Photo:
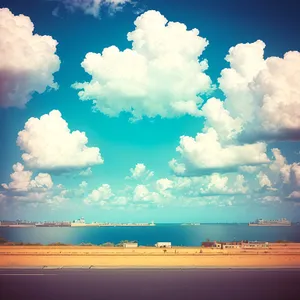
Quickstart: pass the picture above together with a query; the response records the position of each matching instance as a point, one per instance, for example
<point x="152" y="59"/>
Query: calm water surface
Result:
<point x="147" y="236"/>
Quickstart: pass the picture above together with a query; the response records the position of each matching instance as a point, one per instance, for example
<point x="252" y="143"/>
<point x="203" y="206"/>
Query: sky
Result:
<point x="140" y="111"/>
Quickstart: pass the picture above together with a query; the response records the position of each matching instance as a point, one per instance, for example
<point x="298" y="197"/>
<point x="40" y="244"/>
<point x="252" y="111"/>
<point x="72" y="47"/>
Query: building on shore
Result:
<point x="255" y="245"/>
<point x="213" y="244"/>
<point x="231" y="245"/>
<point x="163" y="245"/>
<point x="235" y="245"/>
<point x="53" y="224"/>
<point x="223" y="245"/>
<point x="130" y="245"/>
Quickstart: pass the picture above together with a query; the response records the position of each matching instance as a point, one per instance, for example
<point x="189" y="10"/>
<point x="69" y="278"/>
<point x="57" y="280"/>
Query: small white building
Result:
<point x="231" y="246"/>
<point x="163" y="245"/>
<point x="130" y="245"/>
<point x="251" y="245"/>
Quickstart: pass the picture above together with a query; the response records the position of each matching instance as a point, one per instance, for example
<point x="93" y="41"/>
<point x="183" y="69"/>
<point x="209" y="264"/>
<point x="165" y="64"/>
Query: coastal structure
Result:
<point x="231" y="245"/>
<point x="130" y="245"/>
<point x="22" y="224"/>
<point x="190" y="224"/>
<point x="53" y="224"/>
<point x="163" y="245"/>
<point x="81" y="222"/>
<point x="76" y="223"/>
<point x="223" y="245"/>
<point x="209" y="244"/>
<point x="255" y="245"/>
<point x="279" y="222"/>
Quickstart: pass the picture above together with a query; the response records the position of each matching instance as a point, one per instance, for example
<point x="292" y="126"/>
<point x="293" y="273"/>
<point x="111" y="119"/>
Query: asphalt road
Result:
<point x="144" y="284"/>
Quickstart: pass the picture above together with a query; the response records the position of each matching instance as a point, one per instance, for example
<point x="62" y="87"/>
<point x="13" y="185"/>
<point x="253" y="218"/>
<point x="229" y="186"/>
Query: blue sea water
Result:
<point x="147" y="236"/>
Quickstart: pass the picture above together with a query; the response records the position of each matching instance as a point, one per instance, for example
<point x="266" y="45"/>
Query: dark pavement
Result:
<point x="144" y="284"/>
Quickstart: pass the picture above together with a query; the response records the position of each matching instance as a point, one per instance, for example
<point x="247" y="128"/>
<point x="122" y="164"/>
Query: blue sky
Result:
<point x="159" y="127"/>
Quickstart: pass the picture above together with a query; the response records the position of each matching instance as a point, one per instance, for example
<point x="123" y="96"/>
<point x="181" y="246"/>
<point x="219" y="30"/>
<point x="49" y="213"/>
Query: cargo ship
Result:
<point x="279" y="222"/>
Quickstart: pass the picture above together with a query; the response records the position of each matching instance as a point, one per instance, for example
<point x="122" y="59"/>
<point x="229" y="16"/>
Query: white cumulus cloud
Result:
<point x="214" y="184"/>
<point x="161" y="74"/>
<point x="83" y="184"/>
<point x="142" y="193"/>
<point x="21" y="180"/>
<point x="140" y="172"/>
<point x="205" y="153"/>
<point x="263" y="180"/>
<point x="100" y="195"/>
<point x="49" y="144"/>
<point x="28" y="60"/>
<point x="264" y="93"/>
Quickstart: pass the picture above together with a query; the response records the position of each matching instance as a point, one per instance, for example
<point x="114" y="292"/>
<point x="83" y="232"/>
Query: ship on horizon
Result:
<point x="279" y="222"/>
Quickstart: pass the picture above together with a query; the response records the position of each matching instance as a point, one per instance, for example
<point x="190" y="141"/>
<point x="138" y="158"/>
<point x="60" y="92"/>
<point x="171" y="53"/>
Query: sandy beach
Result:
<point x="277" y="255"/>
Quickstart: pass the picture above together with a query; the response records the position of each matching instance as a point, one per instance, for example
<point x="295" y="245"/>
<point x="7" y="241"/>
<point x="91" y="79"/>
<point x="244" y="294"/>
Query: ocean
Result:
<point x="149" y="235"/>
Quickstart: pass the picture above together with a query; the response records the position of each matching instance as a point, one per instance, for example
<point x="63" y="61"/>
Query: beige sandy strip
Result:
<point x="72" y="256"/>
<point x="153" y="261"/>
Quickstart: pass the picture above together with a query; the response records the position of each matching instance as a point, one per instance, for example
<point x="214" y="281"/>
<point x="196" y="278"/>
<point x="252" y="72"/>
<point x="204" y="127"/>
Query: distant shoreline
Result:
<point x="142" y="225"/>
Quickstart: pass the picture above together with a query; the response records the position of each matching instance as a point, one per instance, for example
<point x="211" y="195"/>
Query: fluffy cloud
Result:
<point x="160" y="76"/>
<point x="83" y="184"/>
<point x="294" y="196"/>
<point x="214" y="184"/>
<point x="264" y="180"/>
<point x="140" y="172"/>
<point x="205" y="153"/>
<point x="49" y="144"/>
<point x="28" y="60"/>
<point x="100" y="195"/>
<point x="21" y="180"/>
<point x="24" y="190"/>
<point x="278" y="180"/>
<point x="264" y="93"/>
<point x="220" y="119"/>
<point x="164" y="187"/>
<point x="262" y="103"/>
<point x="86" y="172"/>
<point x="270" y="199"/>
<point x="164" y="184"/>
<point x="289" y="173"/>
<point x="92" y="7"/>
<point x="141" y="193"/>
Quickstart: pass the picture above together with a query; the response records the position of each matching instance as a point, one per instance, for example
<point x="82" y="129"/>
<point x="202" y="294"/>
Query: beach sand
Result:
<point x="277" y="255"/>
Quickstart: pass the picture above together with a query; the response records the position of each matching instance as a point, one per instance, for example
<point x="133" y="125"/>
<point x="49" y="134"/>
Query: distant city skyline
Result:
<point x="139" y="111"/>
